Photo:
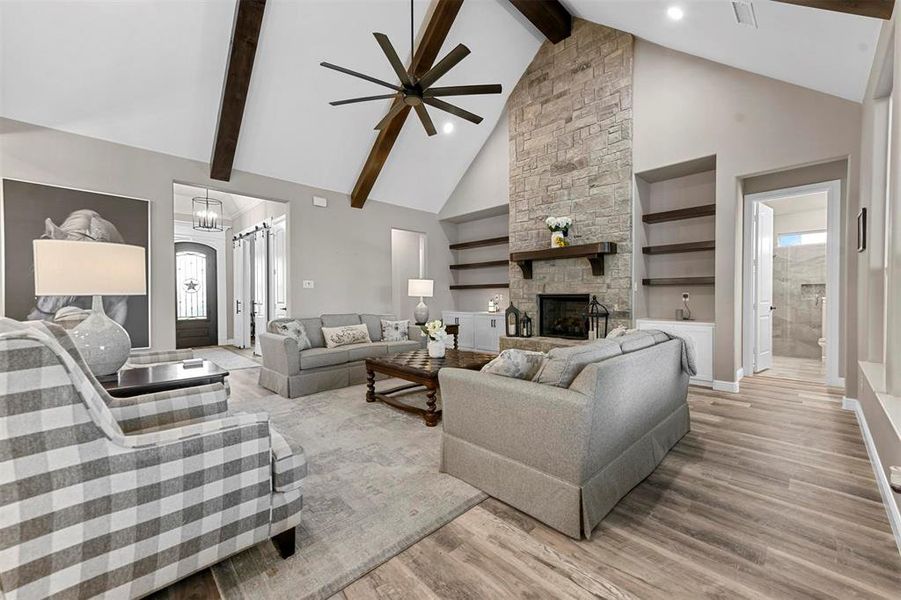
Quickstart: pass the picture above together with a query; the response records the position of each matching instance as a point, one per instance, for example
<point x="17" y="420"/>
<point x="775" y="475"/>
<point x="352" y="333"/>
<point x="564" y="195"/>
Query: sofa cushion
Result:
<point x="395" y="347"/>
<point x="515" y="363"/>
<point x="395" y="331"/>
<point x="340" y="320"/>
<point x="563" y="365"/>
<point x="366" y="350"/>
<point x="345" y="336"/>
<point x="374" y="324"/>
<point x="292" y="328"/>
<point x="313" y="327"/>
<point x="323" y="357"/>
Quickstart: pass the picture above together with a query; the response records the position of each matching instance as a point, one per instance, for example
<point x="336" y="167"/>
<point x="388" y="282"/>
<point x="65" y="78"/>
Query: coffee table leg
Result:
<point x="370" y="385"/>
<point x="431" y="416"/>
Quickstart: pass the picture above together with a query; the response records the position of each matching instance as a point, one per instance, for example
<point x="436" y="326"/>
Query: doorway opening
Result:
<point x="791" y="302"/>
<point x="243" y="281"/>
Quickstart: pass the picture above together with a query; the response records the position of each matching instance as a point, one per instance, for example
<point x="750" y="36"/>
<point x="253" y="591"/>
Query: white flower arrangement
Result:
<point x="434" y="330"/>
<point x="559" y="224"/>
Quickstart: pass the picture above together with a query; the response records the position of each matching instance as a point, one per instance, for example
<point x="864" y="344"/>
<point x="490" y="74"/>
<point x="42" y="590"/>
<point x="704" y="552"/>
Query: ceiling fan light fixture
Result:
<point x="447" y="128"/>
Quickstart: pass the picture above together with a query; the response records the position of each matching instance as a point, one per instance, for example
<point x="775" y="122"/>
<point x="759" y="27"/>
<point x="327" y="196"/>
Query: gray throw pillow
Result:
<point x="563" y="365"/>
<point x="395" y="331"/>
<point x="344" y="336"/>
<point x="294" y="329"/>
<point x="518" y="364"/>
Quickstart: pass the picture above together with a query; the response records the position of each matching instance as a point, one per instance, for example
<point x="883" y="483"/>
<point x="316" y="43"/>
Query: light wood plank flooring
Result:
<point x="771" y="495"/>
<point x="801" y="369"/>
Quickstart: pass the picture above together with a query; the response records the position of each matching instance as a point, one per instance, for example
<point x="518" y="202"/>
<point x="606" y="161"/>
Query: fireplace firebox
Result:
<point x="563" y="316"/>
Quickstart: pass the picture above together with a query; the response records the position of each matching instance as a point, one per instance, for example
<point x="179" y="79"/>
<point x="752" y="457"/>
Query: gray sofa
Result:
<point x="291" y="372"/>
<point x="566" y="456"/>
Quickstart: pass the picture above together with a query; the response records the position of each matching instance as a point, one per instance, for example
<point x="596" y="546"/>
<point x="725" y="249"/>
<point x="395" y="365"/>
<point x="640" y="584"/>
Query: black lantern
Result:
<point x="525" y="325"/>
<point x="596" y="312"/>
<point x="512" y="319"/>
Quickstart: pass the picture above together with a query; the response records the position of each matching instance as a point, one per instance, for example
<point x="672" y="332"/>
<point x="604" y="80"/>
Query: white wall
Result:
<point x="346" y="251"/>
<point x="687" y="107"/>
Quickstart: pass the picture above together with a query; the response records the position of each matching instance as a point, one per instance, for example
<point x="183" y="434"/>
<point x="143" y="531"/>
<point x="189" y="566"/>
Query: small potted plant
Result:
<point x="559" y="227"/>
<point x="436" y="332"/>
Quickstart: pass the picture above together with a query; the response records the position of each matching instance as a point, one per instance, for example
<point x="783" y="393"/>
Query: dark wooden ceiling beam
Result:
<point x="878" y="9"/>
<point x="245" y="37"/>
<point x="549" y="16"/>
<point x="433" y="37"/>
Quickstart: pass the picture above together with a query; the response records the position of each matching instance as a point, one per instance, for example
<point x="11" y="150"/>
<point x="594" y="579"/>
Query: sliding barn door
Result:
<point x="241" y="308"/>
<point x="260" y="285"/>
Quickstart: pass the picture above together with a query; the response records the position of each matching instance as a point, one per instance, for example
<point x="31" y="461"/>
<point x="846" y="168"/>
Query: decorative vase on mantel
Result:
<point x="436" y="349"/>
<point x="559" y="228"/>
<point x="559" y="239"/>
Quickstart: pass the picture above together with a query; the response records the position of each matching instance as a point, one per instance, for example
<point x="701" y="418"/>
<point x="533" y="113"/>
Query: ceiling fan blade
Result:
<point x="444" y="65"/>
<point x="396" y="88"/>
<point x="396" y="64"/>
<point x="395" y="109"/>
<point x="454" y="110"/>
<point x="463" y="90"/>
<point x="426" y="119"/>
<point x="363" y="99"/>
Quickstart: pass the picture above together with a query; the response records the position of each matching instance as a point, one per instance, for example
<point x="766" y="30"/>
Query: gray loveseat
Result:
<point x="566" y="456"/>
<point x="291" y="372"/>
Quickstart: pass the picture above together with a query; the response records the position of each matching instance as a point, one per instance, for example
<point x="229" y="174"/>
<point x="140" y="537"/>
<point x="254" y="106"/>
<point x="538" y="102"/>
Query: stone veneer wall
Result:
<point x="571" y="155"/>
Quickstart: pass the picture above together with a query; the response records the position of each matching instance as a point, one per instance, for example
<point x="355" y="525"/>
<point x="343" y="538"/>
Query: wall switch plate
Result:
<point x="320" y="202"/>
<point x="685" y="296"/>
<point x="308" y="284"/>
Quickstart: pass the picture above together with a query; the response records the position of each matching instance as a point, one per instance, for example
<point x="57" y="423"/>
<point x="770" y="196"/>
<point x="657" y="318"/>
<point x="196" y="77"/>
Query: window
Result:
<point x="190" y="273"/>
<point x="801" y="238"/>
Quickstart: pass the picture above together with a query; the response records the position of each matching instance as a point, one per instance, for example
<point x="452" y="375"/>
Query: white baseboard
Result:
<point x="725" y="386"/>
<point x="739" y="375"/>
<point x="885" y="490"/>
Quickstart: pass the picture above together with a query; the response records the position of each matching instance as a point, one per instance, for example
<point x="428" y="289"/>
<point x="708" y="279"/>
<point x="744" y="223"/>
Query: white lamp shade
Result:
<point x="73" y="268"/>
<point x="420" y="288"/>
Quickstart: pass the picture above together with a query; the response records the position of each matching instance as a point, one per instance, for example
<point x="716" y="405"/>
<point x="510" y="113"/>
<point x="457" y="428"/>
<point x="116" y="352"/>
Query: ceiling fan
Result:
<point x="419" y="92"/>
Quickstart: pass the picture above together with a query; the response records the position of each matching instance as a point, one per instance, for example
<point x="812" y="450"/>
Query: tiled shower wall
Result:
<point x="799" y="284"/>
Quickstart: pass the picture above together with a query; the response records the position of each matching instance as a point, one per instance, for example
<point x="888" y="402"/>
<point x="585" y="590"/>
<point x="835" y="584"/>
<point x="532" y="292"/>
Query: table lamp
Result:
<point x="421" y="288"/>
<point x="79" y="268"/>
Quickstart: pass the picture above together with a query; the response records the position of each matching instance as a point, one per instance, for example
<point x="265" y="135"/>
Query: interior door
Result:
<point x="196" y="318"/>
<point x="763" y="302"/>
<point x="278" y="255"/>
<point x="241" y="308"/>
<point x="260" y="301"/>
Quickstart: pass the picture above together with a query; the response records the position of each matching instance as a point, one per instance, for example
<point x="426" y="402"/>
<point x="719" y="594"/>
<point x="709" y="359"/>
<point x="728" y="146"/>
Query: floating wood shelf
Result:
<point x="679" y="281"/>
<point x="480" y="265"/>
<point x="480" y="286"/>
<point x="593" y="252"/>
<point x="679" y="248"/>
<point x="496" y="241"/>
<point x="704" y="210"/>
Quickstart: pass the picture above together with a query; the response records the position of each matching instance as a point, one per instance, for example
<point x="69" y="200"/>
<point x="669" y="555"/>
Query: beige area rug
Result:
<point x="373" y="489"/>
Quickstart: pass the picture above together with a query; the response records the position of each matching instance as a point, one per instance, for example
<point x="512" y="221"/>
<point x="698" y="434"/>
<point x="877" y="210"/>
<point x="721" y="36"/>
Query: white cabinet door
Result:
<point x="467" y="329"/>
<point x="488" y="329"/>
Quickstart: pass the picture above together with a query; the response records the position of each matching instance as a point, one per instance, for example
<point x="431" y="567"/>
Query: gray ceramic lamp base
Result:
<point x="103" y="343"/>
<point x="421" y="313"/>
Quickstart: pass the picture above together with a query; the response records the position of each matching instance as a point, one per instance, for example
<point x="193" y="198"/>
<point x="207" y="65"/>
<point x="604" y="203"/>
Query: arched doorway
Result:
<point x="196" y="316"/>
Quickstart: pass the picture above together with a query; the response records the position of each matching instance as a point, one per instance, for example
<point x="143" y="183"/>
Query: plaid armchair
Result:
<point x="121" y="497"/>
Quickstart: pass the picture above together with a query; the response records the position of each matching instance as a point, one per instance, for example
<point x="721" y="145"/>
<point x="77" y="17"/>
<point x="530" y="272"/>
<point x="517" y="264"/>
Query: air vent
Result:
<point x="744" y="13"/>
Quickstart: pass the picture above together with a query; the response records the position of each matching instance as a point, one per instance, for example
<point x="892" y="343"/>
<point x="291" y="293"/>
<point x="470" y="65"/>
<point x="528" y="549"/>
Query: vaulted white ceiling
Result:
<point x="822" y="50"/>
<point x="149" y="73"/>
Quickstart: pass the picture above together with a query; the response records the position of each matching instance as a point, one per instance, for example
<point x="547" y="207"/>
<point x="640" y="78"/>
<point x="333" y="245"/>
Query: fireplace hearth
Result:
<point x="563" y="316"/>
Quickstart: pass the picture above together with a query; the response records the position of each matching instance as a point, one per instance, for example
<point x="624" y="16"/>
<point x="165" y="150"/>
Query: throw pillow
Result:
<point x="518" y="364"/>
<point x="294" y="329"/>
<point x="395" y="331"/>
<point x="342" y="336"/>
<point x="563" y="365"/>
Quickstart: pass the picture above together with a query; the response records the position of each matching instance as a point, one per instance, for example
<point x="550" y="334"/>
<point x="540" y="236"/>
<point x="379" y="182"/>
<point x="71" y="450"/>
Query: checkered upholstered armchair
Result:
<point x="120" y="497"/>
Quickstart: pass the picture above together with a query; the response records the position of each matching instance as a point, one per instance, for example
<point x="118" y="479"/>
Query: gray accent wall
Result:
<point x="346" y="251"/>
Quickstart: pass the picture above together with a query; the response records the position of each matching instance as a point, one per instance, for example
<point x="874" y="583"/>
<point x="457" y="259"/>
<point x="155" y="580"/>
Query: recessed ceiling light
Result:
<point x="675" y="13"/>
<point x="448" y="127"/>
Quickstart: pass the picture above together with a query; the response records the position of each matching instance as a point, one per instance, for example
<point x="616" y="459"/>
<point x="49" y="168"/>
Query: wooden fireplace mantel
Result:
<point x="593" y="252"/>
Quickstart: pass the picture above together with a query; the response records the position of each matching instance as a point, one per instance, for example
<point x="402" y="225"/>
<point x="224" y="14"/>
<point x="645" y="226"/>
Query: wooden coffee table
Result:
<point x="422" y="371"/>
<point x="159" y="378"/>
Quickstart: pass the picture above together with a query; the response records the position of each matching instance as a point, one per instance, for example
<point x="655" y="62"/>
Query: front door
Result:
<point x="763" y="303"/>
<point x="196" y="322"/>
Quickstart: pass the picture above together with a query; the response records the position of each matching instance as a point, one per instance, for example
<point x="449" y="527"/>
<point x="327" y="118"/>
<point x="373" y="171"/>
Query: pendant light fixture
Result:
<point x="207" y="213"/>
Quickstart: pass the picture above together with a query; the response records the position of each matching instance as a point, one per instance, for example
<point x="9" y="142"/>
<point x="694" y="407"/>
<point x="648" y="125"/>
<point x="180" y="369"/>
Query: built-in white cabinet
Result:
<point x="478" y="330"/>
<point x="701" y="333"/>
